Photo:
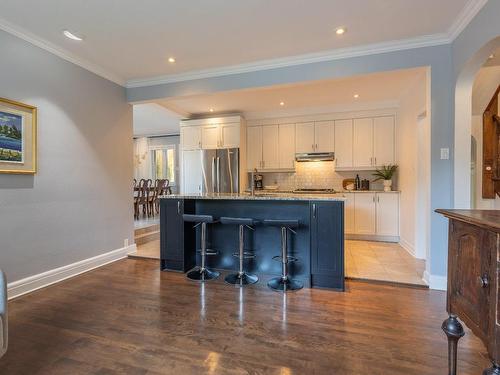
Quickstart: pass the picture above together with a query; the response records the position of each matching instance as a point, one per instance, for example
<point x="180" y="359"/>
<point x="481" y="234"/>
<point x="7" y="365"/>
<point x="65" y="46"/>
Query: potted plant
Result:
<point x="385" y="173"/>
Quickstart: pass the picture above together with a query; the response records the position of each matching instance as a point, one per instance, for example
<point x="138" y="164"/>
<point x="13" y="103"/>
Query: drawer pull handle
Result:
<point x="483" y="281"/>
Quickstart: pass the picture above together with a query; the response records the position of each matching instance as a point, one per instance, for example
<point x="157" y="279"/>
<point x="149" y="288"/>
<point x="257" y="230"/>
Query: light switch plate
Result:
<point x="445" y="153"/>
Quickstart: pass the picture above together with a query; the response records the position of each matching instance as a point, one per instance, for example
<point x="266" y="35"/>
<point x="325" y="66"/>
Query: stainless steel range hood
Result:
<point x="315" y="156"/>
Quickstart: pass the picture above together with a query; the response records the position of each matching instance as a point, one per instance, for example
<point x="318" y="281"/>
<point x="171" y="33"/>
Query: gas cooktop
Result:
<point x="314" y="191"/>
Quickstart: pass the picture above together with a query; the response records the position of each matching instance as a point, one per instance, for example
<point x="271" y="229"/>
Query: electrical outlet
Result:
<point x="445" y="153"/>
<point x="125" y="242"/>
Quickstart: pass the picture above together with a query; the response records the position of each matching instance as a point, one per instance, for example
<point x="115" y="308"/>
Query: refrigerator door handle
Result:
<point x="218" y="174"/>
<point x="213" y="175"/>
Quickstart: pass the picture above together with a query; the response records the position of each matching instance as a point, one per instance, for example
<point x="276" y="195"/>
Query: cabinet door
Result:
<point x="270" y="145"/>
<point x="191" y="137"/>
<point x="304" y="137"/>
<point x="343" y="143"/>
<point x="191" y="172"/>
<point x="327" y="245"/>
<point x="230" y="135"/>
<point x="387" y="214"/>
<point x="171" y="238"/>
<point x="383" y="140"/>
<point x="324" y="133"/>
<point x="363" y="142"/>
<point x="287" y="146"/>
<point x="254" y="147"/>
<point x="210" y="137"/>
<point x="349" y="212"/>
<point x="364" y="213"/>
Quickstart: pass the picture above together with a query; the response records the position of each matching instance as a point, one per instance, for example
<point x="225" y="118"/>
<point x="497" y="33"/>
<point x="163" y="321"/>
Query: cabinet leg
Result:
<point x="493" y="370"/>
<point x="454" y="331"/>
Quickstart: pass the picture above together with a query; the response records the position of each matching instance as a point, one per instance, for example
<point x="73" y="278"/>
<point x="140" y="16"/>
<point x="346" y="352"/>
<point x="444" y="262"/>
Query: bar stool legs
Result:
<point x="242" y="278"/>
<point x="202" y="273"/>
<point x="284" y="283"/>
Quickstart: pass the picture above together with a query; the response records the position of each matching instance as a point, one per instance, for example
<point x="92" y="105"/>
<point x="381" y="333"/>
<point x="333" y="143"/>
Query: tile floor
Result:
<point x="382" y="261"/>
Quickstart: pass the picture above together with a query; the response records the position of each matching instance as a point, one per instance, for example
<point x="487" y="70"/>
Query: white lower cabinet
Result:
<point x="372" y="214"/>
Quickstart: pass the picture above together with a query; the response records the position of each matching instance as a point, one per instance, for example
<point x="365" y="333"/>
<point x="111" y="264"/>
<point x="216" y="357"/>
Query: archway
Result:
<point x="463" y="123"/>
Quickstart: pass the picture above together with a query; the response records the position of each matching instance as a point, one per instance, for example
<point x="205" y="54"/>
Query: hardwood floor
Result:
<point x="130" y="318"/>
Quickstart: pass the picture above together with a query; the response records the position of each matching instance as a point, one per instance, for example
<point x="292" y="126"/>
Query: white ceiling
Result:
<point x="130" y="39"/>
<point x="153" y="119"/>
<point x="374" y="90"/>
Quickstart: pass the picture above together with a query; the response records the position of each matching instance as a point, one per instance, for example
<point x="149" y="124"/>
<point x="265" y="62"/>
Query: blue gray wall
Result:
<point x="79" y="204"/>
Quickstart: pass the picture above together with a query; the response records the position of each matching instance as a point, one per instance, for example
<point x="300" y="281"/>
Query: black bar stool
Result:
<point x="202" y="273"/>
<point x="284" y="283"/>
<point x="241" y="278"/>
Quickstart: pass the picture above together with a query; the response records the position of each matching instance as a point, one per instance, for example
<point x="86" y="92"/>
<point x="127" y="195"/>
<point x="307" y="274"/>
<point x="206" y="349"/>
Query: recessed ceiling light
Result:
<point x="491" y="56"/>
<point x="171" y="60"/>
<point x="211" y="109"/>
<point x="356" y="96"/>
<point x="340" y="30"/>
<point x="70" y="35"/>
<point x="282" y="104"/>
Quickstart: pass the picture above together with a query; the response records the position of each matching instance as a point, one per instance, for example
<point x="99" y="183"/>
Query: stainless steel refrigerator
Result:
<point x="220" y="169"/>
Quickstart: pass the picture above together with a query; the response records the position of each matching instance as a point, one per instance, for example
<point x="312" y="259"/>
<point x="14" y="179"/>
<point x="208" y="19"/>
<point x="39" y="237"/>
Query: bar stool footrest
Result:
<point x="246" y="255"/>
<point x="209" y="252"/>
<point x="290" y="258"/>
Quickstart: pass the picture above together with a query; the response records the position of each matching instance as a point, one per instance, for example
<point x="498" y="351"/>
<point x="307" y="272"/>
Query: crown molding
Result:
<point x="60" y="52"/>
<point x="470" y="10"/>
<point x="331" y="55"/>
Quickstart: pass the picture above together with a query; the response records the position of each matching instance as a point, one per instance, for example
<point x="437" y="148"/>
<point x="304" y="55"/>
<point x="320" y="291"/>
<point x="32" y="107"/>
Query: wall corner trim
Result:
<point x="29" y="284"/>
<point x="436" y="282"/>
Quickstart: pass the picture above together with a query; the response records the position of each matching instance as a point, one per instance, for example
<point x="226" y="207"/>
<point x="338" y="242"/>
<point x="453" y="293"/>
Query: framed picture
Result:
<point x="17" y="137"/>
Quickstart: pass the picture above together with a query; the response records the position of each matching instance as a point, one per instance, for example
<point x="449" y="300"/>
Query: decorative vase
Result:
<point x="387" y="185"/>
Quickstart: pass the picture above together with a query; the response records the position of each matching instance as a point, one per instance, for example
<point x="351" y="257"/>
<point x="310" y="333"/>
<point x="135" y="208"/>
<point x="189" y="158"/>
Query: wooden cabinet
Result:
<point x="327" y="245"/>
<point x="254" y="147"/>
<point x="286" y="146"/>
<point x="349" y="210"/>
<point x="383" y="140"/>
<point x="363" y="142"/>
<point x="473" y="269"/>
<point x="365" y="214"/>
<point x="192" y="173"/>
<point x="343" y="144"/>
<point x="315" y="137"/>
<point x="387" y="209"/>
<point x="270" y="145"/>
<point x="175" y="235"/>
<point x="190" y="137"/>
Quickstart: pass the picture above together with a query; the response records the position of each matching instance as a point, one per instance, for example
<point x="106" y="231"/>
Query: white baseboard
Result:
<point x="435" y="282"/>
<point x="31" y="283"/>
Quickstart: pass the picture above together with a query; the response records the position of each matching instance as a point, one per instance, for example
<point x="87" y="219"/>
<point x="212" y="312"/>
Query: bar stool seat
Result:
<point x="284" y="283"/>
<point x="241" y="278"/>
<point x="202" y="273"/>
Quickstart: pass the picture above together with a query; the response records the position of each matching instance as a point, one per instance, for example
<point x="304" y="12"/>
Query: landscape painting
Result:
<point x="11" y="137"/>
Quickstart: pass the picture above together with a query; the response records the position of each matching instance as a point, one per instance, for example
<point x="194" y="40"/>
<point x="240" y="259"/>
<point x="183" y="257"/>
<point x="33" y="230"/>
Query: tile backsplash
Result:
<point x="320" y="175"/>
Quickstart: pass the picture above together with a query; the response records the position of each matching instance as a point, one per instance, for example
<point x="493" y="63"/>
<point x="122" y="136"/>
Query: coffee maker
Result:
<point x="258" y="181"/>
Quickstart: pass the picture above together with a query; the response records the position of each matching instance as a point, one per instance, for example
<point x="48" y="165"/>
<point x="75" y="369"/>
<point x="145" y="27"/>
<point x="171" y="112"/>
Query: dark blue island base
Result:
<point x="318" y="243"/>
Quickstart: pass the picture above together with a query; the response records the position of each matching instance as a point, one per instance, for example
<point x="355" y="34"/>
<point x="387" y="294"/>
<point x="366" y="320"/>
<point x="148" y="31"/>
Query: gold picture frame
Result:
<point x="18" y="137"/>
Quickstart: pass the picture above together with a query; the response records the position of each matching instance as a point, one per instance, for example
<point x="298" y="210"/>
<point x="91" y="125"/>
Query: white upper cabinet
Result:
<point x="383" y="140"/>
<point x="270" y="147"/>
<point x="229" y="135"/>
<point x="286" y="146"/>
<point x="191" y="137"/>
<point x="363" y="142"/>
<point x="343" y="144"/>
<point x="387" y="214"/>
<point x="210" y="137"/>
<point x="254" y="147"/>
<point x="305" y="141"/>
<point x="324" y="134"/>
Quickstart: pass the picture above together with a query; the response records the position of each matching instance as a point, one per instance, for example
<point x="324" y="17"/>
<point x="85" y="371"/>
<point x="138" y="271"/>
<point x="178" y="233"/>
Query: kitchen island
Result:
<point x="318" y="243"/>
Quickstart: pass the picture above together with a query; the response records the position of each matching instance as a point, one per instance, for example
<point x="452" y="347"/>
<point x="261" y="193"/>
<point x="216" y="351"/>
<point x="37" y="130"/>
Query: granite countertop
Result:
<point x="261" y="196"/>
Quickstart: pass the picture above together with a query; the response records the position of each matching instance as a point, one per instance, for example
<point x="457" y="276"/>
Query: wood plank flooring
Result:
<point x="130" y="318"/>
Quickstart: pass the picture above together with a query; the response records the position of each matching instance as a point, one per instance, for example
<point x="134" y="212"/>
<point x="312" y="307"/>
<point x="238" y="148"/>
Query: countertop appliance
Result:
<point x="314" y="191"/>
<point x="220" y="169"/>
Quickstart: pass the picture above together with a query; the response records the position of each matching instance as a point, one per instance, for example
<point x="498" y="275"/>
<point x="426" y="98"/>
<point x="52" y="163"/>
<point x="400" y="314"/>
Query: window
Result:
<point x="163" y="163"/>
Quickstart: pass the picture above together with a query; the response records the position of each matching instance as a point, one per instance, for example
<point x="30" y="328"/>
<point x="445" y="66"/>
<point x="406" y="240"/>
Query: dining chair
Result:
<point x="141" y="199"/>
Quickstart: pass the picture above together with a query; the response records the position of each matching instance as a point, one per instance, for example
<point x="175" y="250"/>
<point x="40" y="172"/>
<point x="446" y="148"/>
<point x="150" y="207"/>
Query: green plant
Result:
<point x="385" y="173"/>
